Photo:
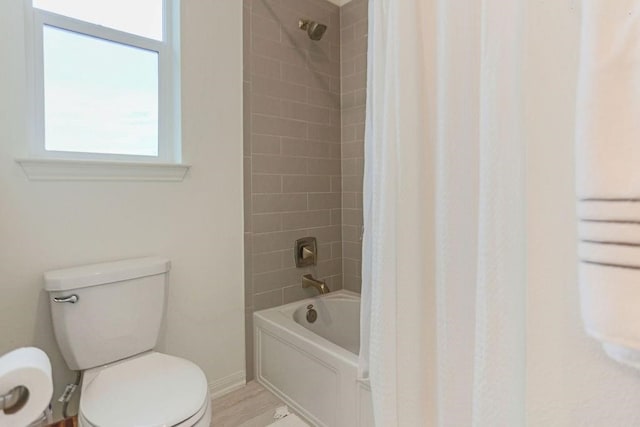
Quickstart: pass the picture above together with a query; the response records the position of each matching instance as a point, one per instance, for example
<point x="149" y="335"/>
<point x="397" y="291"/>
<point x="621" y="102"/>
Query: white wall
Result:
<point x="196" y="223"/>
<point x="570" y="380"/>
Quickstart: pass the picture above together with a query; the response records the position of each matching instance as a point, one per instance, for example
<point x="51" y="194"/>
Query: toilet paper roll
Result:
<point x="28" y="367"/>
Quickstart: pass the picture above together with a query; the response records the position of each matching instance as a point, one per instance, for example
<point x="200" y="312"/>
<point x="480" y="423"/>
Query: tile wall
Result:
<point x="304" y="118"/>
<point x="292" y="151"/>
<point x="353" y="30"/>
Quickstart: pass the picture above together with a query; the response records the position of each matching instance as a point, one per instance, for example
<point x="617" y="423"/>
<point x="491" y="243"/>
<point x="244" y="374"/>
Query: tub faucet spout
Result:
<point x="308" y="280"/>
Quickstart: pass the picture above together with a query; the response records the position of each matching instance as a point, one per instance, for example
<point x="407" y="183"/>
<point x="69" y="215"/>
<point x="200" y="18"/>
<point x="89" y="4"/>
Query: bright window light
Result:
<point x="140" y="17"/>
<point x="99" y="96"/>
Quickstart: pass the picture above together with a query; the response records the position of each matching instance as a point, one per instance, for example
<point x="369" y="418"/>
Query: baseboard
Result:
<point x="227" y="384"/>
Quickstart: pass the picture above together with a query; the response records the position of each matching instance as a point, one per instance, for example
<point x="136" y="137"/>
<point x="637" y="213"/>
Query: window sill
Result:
<point x="98" y="170"/>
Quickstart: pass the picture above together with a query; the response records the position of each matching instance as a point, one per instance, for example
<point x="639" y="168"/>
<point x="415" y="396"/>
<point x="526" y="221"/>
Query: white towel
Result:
<point x="608" y="175"/>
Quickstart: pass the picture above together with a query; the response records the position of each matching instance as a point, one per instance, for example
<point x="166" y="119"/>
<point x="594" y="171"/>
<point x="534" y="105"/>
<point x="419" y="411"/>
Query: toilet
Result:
<point x="107" y="319"/>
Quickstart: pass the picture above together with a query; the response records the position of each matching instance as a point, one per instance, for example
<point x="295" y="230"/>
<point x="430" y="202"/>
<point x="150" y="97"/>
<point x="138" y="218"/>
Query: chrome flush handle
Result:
<point x="71" y="298"/>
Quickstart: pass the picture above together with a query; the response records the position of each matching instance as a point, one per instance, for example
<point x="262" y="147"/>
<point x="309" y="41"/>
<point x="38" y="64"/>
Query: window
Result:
<point x="105" y="80"/>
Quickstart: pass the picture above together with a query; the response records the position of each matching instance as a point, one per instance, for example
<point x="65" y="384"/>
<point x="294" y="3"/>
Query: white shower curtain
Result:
<point x="442" y="319"/>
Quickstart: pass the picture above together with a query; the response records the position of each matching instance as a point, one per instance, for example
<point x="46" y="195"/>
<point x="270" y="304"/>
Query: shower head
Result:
<point x="315" y="30"/>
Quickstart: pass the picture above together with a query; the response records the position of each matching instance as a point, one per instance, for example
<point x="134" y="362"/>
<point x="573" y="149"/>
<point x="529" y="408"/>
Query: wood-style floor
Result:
<point x="250" y="406"/>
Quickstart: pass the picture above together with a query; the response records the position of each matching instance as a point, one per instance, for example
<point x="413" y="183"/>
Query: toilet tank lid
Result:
<point x="108" y="272"/>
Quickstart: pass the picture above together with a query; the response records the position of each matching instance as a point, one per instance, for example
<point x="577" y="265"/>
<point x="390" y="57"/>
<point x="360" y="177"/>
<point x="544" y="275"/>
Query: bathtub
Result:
<point x="313" y="366"/>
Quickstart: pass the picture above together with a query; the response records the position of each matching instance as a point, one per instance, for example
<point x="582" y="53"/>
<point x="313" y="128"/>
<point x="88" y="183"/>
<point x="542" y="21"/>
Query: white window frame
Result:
<point x="169" y="129"/>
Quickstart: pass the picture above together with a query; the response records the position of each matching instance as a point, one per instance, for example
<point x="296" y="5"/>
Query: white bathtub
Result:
<point x="313" y="366"/>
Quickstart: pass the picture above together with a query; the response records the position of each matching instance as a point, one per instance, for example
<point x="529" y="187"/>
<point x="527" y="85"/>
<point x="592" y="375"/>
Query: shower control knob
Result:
<point x="307" y="252"/>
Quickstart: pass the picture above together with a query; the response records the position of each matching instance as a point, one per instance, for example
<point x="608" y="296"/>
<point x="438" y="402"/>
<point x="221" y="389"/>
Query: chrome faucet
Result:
<point x="308" y="280"/>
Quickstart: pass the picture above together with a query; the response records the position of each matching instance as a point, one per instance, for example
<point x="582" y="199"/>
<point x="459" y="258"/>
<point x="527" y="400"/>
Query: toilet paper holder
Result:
<point x="13" y="401"/>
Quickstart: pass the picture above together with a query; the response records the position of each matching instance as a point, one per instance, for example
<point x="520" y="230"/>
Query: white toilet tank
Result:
<point x="106" y="312"/>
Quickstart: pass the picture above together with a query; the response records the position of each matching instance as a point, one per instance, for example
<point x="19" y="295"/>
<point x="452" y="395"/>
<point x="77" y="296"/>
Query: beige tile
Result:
<point x="336" y="85"/>
<point x="265" y="105"/>
<point x="336" y="250"/>
<point x="264" y="282"/>
<point x="352" y="217"/>
<point x="288" y="260"/>
<point x="336" y="151"/>
<point x="347" y="34"/>
<point x="361" y="68"/>
<point x="320" y="81"/>
<point x="269" y="125"/>
<point x="266" y="8"/>
<point x="324" y="201"/>
<point x="360" y="95"/>
<point x="328" y="234"/>
<point x="324" y="62"/>
<point x="318" y="9"/>
<point x="264" y="203"/>
<point x="265" y="27"/>
<point x="265" y="223"/>
<point x="266" y="262"/>
<point x="306" y="148"/>
<point x="351" y="283"/>
<point x="348" y="200"/>
<point x="348" y="132"/>
<point x="277" y="241"/>
<point x="304" y="220"/>
<point x="354" y="82"/>
<point x="336" y="184"/>
<point x="261" y="46"/>
<point x="267" y="299"/>
<point x="324" y="252"/>
<point x="265" y="67"/>
<point x="350" y="166"/>
<point x="306" y="184"/>
<point x="351" y="251"/>
<point x="352" y="267"/>
<point x="306" y="112"/>
<point x="265" y="144"/>
<point x="352" y="183"/>
<point x="336" y="216"/>
<point x="297" y="293"/>
<point x="335" y="118"/>
<point x="351" y="233"/>
<point x="354" y="115"/>
<point x="266" y="184"/>
<point x="335" y="282"/>
<point x="323" y="98"/>
<point x="326" y="133"/>
<point x="278" y="165"/>
<point x="262" y="85"/>
<point x="323" y="166"/>
<point x="353" y="149"/>
<point x="295" y="74"/>
<point x="330" y="267"/>
<point x="359" y="200"/>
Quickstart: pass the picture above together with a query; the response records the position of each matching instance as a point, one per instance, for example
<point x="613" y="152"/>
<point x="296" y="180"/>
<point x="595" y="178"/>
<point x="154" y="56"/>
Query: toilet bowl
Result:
<point x="106" y="319"/>
<point x="152" y="389"/>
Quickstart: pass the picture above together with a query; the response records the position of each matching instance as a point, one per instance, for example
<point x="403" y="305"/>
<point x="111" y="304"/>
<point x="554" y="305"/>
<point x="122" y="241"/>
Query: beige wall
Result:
<point x="353" y="42"/>
<point x="196" y="223"/>
<point x="570" y="382"/>
<point x="291" y="151"/>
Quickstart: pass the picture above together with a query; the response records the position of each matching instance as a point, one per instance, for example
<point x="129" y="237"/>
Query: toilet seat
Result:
<point x="150" y="390"/>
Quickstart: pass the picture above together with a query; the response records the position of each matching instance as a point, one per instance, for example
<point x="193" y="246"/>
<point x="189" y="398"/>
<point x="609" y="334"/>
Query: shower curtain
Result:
<point x="443" y="296"/>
